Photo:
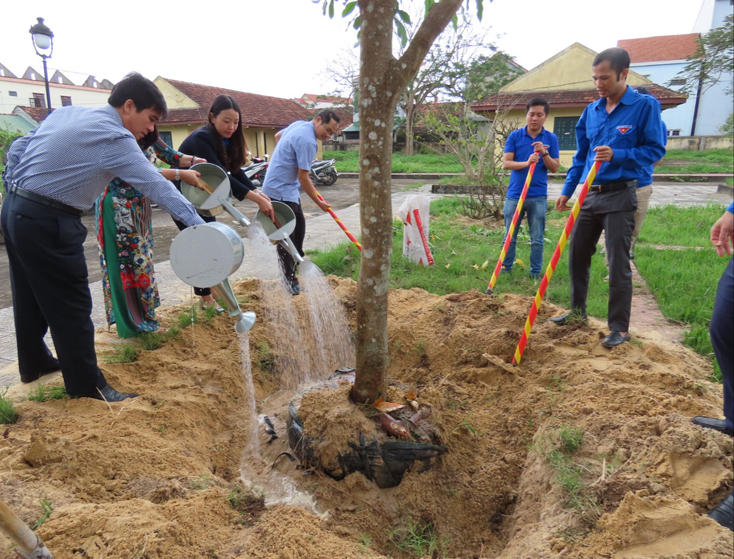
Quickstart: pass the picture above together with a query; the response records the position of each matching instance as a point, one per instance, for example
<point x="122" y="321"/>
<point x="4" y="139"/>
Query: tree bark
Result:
<point x="382" y="80"/>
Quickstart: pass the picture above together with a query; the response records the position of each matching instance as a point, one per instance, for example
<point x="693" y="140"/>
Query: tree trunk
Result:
<point x="409" y="126"/>
<point x="377" y="107"/>
<point x="382" y="80"/>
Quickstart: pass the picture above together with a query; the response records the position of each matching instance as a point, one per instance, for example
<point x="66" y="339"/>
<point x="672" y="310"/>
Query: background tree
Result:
<point x="382" y="79"/>
<point x="713" y="60"/>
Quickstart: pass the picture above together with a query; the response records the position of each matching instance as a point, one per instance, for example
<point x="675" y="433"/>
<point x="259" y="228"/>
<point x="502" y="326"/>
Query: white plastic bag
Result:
<point x="414" y="213"/>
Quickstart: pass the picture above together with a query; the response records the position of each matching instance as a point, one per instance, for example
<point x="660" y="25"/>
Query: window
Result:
<point x="33" y="76"/>
<point x="2" y="72"/>
<point x="65" y="100"/>
<point x="565" y="128"/>
<point x="61" y="80"/>
<point x="166" y="137"/>
<point x="678" y="81"/>
<point x="13" y="93"/>
<point x="38" y="101"/>
<point x="673" y="132"/>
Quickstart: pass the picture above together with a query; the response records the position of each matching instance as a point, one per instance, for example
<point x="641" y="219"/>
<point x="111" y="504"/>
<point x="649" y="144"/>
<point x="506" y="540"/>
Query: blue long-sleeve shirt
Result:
<point x="77" y="151"/>
<point x="632" y="130"/>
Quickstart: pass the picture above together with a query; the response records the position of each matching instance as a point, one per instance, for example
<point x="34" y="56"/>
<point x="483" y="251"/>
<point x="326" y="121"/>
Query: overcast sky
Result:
<point x="282" y="47"/>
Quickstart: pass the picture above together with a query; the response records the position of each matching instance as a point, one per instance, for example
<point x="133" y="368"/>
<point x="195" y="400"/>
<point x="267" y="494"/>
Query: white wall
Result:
<point x="661" y="73"/>
<point x="24" y="89"/>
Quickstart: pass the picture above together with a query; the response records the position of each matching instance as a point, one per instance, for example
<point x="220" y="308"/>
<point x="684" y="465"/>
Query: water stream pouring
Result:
<point x="204" y="256"/>
<point x="279" y="231"/>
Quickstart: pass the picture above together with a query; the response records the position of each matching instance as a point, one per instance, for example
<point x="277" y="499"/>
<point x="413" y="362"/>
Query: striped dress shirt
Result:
<point x="77" y="151"/>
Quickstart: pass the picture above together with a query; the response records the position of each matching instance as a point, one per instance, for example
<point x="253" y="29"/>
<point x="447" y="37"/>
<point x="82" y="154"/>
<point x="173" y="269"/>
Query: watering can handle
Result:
<point x="235" y="213"/>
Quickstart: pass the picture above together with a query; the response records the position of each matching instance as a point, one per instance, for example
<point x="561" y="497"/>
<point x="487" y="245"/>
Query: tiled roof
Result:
<point x="317" y="98"/>
<point x="257" y="110"/>
<point x="659" y="49"/>
<point x="571" y="98"/>
<point x="36" y="113"/>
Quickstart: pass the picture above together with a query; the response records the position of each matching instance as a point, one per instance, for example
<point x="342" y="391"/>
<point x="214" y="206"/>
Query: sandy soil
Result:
<point x="159" y="476"/>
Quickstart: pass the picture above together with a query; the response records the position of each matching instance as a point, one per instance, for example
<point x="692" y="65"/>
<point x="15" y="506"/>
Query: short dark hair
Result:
<point x="141" y="91"/>
<point x="537" y="102"/>
<point x="149" y="139"/>
<point x="619" y="59"/>
<point x="327" y="115"/>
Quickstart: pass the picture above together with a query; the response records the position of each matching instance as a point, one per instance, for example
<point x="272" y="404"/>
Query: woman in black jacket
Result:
<point x="222" y="143"/>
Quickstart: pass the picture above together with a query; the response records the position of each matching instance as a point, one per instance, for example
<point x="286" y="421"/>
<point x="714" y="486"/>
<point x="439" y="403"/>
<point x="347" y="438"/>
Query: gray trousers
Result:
<point x="613" y="213"/>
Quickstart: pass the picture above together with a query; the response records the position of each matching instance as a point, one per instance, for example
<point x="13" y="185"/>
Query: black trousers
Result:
<point x="297" y="237"/>
<point x="201" y="291"/>
<point x="48" y="278"/>
<point x="613" y="213"/>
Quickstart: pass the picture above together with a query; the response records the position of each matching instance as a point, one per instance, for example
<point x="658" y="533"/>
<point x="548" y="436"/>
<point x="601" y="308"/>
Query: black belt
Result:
<point x="612" y="186"/>
<point x="33" y="197"/>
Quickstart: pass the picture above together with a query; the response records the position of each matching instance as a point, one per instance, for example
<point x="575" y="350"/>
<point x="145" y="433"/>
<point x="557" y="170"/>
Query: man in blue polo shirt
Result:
<point x="531" y="144"/>
<point x="623" y="130"/>
<point x="289" y="170"/>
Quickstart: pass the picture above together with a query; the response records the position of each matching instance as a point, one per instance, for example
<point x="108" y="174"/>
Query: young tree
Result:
<point x="382" y="79"/>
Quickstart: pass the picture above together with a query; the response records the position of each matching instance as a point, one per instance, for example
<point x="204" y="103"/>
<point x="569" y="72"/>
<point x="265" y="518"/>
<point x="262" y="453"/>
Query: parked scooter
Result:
<point x="256" y="170"/>
<point x="323" y="172"/>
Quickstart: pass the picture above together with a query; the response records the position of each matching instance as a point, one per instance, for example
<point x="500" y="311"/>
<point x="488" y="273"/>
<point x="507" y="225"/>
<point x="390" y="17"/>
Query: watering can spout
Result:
<point x="245" y="321"/>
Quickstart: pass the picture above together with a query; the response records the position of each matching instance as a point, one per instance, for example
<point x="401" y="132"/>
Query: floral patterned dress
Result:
<point x="125" y="241"/>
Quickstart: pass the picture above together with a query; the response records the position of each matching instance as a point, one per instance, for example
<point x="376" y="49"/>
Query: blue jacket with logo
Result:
<point x="632" y="130"/>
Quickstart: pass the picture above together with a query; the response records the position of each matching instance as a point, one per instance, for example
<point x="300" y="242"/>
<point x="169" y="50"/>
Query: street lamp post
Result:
<point x="43" y="40"/>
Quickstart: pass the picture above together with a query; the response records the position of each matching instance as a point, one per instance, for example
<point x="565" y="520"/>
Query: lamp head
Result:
<point x="42" y="37"/>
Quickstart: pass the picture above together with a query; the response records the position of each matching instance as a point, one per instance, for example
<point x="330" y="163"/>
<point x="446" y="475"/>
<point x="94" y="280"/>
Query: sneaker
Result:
<point x="535" y="276"/>
<point x="506" y="271"/>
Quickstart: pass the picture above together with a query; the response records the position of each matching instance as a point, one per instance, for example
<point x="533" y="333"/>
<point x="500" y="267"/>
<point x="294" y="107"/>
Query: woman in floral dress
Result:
<point x="125" y="236"/>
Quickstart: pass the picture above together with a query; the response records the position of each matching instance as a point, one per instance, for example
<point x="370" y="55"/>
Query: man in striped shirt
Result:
<point x="54" y="173"/>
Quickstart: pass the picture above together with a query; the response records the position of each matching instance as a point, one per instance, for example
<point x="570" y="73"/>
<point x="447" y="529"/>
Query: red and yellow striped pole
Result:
<point x="554" y="261"/>
<point x="511" y="230"/>
<point x="340" y="224"/>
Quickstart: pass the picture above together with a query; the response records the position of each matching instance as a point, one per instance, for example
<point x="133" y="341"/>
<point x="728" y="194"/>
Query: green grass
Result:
<point x="43" y="393"/>
<point x="8" y="414"/>
<point x="676" y="161"/>
<point x="673" y="225"/>
<point x="418" y="540"/>
<point x="457" y="248"/>
<point x="124" y="354"/>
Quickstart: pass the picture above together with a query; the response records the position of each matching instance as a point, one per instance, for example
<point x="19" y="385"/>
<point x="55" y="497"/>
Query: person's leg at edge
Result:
<point x="537" y="207"/>
<point x="34" y="356"/>
<point x="722" y="334"/>
<point x="509" y="211"/>
<point x="643" y="202"/>
<point x="583" y="241"/>
<point x="618" y="228"/>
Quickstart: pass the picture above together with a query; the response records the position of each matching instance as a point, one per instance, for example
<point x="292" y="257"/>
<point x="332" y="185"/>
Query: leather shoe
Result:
<point x="568" y="318"/>
<point x="711" y="423"/>
<point x="54" y="367"/>
<point x="107" y="393"/>
<point x="615" y="339"/>
<point x="723" y="513"/>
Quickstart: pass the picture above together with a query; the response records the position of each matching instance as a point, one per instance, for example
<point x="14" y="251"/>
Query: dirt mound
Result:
<point x="580" y="452"/>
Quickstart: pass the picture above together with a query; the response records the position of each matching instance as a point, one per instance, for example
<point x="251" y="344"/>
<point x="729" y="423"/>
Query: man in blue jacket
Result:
<point x="528" y="145"/>
<point x="623" y="130"/>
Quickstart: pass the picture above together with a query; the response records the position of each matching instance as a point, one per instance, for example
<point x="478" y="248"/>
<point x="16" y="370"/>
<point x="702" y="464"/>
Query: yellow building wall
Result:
<point x="568" y="70"/>
<point x="175" y="99"/>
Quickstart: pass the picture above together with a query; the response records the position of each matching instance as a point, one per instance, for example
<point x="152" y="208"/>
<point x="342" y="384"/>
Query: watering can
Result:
<point x="204" y="256"/>
<point x="279" y="230"/>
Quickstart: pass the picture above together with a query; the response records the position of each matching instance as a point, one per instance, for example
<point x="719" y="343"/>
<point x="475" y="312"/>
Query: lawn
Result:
<point x="676" y="161"/>
<point x="678" y="264"/>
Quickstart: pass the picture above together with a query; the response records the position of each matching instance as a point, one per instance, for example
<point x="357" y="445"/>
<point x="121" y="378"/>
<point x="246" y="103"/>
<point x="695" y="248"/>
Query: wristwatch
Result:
<point x="177" y="176"/>
<point x="544" y="154"/>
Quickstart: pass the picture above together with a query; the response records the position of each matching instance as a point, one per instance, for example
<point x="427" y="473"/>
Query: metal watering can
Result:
<point x="216" y="200"/>
<point x="204" y="256"/>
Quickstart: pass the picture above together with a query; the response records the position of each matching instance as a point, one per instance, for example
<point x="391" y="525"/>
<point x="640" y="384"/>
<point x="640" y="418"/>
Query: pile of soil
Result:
<point x="159" y="476"/>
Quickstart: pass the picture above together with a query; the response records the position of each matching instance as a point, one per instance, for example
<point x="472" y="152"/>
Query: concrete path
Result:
<point x="322" y="233"/>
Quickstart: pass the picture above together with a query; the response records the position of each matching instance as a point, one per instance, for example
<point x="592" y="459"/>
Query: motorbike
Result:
<point x="256" y="170"/>
<point x="323" y="172"/>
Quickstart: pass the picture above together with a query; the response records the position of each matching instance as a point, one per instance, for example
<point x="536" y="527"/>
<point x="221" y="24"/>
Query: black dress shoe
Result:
<point x="107" y="393"/>
<point x="46" y="371"/>
<point x="614" y="339"/>
<point x="711" y="423"/>
<point x="723" y="513"/>
<point x="568" y="318"/>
